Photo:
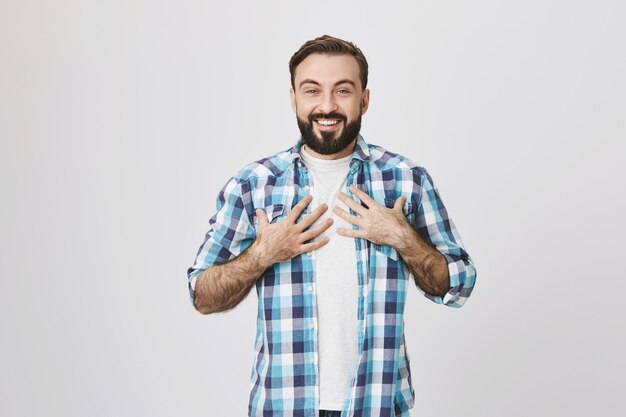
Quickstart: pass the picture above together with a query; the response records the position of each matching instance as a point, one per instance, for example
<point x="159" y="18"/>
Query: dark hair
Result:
<point x="332" y="46"/>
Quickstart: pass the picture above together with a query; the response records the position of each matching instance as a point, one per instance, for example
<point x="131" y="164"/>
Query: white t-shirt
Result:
<point x="336" y="281"/>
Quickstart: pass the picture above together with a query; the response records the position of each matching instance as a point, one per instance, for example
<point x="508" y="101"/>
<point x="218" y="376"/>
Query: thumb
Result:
<point x="263" y="221"/>
<point x="399" y="204"/>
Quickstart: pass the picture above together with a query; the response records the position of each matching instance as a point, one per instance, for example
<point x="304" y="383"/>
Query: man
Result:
<point x="330" y="232"/>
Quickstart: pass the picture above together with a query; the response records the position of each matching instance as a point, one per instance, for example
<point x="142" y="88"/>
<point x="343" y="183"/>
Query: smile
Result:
<point x="327" y="122"/>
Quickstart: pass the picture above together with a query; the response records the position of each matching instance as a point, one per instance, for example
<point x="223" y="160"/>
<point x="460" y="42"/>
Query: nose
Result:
<point x="327" y="103"/>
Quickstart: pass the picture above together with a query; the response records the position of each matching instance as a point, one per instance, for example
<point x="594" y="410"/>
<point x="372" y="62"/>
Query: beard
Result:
<point x="328" y="144"/>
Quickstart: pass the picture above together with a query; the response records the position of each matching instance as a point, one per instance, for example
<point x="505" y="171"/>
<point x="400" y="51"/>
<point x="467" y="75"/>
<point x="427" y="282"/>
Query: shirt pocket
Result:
<point x="274" y="213"/>
<point x="410" y="208"/>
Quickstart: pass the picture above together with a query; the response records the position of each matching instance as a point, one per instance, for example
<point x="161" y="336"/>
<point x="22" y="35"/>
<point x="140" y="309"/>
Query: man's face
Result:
<point x="328" y="101"/>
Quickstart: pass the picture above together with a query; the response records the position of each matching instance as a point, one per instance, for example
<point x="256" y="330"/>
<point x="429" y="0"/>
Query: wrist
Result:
<point x="405" y="238"/>
<point x="258" y="255"/>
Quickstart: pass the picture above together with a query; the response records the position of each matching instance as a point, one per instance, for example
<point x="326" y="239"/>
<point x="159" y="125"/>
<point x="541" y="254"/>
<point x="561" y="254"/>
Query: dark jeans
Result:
<point x="330" y="413"/>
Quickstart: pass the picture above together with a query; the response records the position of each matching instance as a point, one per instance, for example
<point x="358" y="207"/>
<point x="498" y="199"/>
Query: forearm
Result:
<point x="221" y="287"/>
<point x="427" y="265"/>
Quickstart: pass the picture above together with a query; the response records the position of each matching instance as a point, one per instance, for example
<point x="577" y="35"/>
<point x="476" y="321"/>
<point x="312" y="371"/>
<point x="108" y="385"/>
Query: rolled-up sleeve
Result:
<point x="434" y="224"/>
<point x="230" y="233"/>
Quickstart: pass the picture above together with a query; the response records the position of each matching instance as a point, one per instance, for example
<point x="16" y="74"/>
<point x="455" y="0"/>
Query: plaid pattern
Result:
<point x="284" y="374"/>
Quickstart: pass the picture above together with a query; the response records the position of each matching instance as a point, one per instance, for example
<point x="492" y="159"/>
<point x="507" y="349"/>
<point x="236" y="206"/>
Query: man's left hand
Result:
<point x="377" y="223"/>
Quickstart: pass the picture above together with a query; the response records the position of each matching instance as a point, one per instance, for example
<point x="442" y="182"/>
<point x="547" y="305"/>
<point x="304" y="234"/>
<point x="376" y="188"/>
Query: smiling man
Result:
<point x="330" y="232"/>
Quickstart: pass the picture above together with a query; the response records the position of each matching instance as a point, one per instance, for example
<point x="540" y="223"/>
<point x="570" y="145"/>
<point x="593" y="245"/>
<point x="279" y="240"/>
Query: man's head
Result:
<point x="328" y="94"/>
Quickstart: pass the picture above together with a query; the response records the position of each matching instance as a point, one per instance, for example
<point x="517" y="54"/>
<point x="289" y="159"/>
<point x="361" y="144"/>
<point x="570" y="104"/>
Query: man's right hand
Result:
<point x="276" y="242"/>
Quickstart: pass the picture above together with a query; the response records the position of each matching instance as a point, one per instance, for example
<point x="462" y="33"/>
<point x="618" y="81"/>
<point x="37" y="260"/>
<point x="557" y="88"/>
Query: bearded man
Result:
<point x="330" y="232"/>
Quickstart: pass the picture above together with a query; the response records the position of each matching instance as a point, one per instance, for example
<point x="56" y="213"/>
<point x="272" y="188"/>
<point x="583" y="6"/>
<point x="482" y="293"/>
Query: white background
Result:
<point x="121" y="120"/>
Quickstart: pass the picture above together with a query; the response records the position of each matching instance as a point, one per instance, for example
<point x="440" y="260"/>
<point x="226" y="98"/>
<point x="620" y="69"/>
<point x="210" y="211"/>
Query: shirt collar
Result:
<point x="361" y="151"/>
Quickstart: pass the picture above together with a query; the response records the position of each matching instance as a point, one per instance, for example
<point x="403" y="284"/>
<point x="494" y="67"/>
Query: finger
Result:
<point x="297" y="210"/>
<point x="362" y="195"/>
<point x="351" y="203"/>
<point x="399" y="204"/>
<point x="316" y="231"/>
<point x="358" y="221"/>
<point x="316" y="244"/>
<point x="350" y="232"/>
<point x="263" y="220"/>
<point x="312" y="217"/>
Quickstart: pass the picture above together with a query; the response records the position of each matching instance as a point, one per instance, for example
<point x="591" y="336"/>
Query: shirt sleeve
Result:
<point x="434" y="224"/>
<point x="230" y="233"/>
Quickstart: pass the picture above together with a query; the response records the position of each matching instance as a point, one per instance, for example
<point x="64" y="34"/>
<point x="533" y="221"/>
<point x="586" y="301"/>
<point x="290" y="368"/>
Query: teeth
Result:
<point x="327" y="122"/>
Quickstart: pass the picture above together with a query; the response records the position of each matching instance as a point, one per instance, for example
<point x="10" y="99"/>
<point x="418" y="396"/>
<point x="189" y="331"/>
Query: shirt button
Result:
<point x="306" y="187"/>
<point x="310" y="288"/>
<point x="310" y="253"/>
<point x="312" y="360"/>
<point x="311" y="325"/>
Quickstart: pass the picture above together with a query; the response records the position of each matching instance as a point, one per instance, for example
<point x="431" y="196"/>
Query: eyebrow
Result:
<point x="344" y="81"/>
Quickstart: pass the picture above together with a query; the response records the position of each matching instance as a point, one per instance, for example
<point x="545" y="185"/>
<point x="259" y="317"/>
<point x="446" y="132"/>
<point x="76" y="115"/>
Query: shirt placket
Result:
<point x="310" y="325"/>
<point x="357" y="179"/>
<point x="355" y="173"/>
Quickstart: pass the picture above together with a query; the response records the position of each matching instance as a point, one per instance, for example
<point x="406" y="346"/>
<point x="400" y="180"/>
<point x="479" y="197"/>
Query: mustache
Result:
<point x="331" y="115"/>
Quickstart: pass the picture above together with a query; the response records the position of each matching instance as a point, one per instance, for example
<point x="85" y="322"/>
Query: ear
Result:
<point x="292" y="94"/>
<point x="365" y="101"/>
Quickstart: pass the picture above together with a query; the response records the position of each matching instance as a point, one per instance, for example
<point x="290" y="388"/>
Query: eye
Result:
<point x="343" y="91"/>
<point x="310" y="92"/>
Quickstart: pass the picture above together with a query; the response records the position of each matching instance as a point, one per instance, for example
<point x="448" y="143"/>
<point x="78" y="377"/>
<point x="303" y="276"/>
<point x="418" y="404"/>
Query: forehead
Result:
<point x="327" y="69"/>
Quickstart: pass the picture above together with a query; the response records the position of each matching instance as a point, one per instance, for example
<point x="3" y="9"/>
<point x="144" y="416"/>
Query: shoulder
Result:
<point x="385" y="160"/>
<point x="271" y="166"/>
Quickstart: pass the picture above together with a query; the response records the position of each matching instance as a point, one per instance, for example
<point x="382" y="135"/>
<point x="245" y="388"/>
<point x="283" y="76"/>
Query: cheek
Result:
<point x="354" y="106"/>
<point x="303" y="110"/>
<point x="353" y="112"/>
<point x="302" y="115"/>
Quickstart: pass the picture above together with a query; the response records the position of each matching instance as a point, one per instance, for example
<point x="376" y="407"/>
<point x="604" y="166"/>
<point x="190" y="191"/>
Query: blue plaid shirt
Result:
<point x="284" y="380"/>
